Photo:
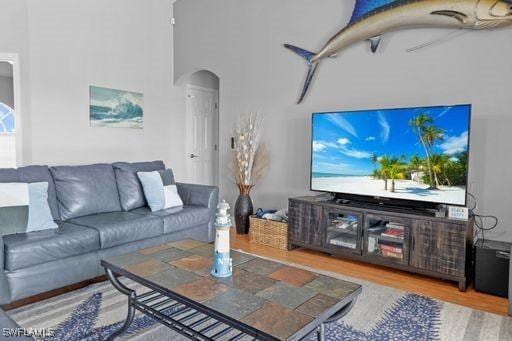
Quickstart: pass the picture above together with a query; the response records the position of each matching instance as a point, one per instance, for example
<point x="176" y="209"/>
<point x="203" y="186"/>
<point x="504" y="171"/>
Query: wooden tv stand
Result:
<point x="407" y="240"/>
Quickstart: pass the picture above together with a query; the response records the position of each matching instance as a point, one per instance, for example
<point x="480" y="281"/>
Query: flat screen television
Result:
<point x="415" y="156"/>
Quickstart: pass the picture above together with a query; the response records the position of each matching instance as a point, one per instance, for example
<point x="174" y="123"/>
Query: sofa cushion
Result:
<point x="85" y="190"/>
<point x="167" y="177"/>
<point x="9" y="175"/>
<point x="118" y="228"/>
<point x="179" y="218"/>
<point x="27" y="249"/>
<point x="130" y="189"/>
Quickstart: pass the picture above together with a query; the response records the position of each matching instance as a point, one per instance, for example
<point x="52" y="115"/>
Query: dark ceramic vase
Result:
<point x="243" y="210"/>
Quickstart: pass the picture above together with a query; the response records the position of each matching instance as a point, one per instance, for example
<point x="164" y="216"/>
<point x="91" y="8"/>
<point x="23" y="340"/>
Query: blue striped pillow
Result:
<point x="24" y="208"/>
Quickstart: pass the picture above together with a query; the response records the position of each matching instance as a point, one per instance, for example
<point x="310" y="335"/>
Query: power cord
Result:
<point x="480" y="220"/>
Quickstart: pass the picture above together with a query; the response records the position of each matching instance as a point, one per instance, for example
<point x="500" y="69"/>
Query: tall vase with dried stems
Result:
<point x="250" y="162"/>
<point x="243" y="209"/>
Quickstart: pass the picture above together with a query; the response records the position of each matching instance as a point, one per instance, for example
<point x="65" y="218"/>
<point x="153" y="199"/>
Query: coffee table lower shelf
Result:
<point x="193" y="320"/>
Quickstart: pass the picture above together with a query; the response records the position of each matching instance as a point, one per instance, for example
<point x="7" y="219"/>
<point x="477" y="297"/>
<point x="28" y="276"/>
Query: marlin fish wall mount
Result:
<point x="373" y="18"/>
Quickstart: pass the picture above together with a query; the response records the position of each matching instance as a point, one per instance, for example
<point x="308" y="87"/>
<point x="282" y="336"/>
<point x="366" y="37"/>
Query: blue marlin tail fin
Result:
<point x="308" y="56"/>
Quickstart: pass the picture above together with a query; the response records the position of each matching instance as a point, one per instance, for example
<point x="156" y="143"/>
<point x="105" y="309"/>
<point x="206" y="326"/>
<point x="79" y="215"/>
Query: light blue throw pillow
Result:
<point x="153" y="187"/>
<point x="159" y="196"/>
<point x="39" y="214"/>
<point x="24" y="208"/>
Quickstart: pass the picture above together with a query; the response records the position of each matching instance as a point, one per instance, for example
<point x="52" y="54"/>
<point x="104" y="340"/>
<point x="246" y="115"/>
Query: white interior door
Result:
<point x="202" y="135"/>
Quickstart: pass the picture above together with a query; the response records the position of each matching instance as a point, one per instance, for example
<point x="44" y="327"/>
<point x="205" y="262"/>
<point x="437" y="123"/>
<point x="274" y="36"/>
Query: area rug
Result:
<point x="381" y="313"/>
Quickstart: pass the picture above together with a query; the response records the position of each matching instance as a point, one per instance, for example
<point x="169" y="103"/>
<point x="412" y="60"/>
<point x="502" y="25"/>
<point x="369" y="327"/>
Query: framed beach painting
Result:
<point x="115" y="108"/>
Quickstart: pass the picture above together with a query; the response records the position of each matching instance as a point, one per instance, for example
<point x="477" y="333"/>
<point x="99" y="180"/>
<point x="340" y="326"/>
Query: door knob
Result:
<point x="194" y="156"/>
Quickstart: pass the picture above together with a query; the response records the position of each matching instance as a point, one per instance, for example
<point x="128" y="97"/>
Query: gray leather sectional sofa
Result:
<point x="101" y="211"/>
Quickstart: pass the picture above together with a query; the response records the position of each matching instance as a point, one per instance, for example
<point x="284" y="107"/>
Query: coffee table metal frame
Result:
<point x="203" y="320"/>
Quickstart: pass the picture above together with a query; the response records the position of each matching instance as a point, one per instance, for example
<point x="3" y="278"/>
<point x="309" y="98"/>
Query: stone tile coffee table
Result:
<point x="263" y="300"/>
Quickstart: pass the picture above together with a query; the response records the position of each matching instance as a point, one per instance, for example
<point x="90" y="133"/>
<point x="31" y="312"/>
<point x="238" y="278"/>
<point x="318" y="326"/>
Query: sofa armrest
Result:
<point x="200" y="195"/>
<point x="5" y="294"/>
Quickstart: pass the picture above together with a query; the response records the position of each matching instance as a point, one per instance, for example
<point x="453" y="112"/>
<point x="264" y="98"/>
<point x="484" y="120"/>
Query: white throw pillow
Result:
<point x="172" y="198"/>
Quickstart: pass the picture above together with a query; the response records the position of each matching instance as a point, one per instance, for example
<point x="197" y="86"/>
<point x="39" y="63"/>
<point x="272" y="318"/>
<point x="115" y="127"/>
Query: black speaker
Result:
<point x="492" y="259"/>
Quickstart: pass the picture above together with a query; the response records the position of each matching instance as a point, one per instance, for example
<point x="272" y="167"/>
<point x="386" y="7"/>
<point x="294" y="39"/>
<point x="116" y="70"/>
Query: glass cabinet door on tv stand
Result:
<point x="387" y="237"/>
<point x="343" y="230"/>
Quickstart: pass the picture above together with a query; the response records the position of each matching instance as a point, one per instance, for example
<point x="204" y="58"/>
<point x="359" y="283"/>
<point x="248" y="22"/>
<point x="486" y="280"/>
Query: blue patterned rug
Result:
<point x="81" y="324"/>
<point x="413" y="317"/>
<point x="381" y="313"/>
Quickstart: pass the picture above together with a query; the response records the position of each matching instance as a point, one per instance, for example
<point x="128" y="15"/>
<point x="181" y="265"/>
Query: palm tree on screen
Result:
<point x="396" y="172"/>
<point x="385" y="165"/>
<point x="427" y="135"/>
<point x="375" y="159"/>
<point x="440" y="164"/>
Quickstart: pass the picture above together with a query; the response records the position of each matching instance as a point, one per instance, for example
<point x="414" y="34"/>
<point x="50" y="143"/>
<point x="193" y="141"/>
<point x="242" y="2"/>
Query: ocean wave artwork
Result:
<point x="115" y="108"/>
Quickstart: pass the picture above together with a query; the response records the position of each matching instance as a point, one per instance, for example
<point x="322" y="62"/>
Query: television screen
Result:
<point x="418" y="154"/>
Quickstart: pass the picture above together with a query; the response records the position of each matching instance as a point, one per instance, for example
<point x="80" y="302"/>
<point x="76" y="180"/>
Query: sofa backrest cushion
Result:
<point x="167" y="177"/>
<point x="85" y="190"/>
<point x="131" y="194"/>
<point x="33" y="174"/>
<point x="8" y="175"/>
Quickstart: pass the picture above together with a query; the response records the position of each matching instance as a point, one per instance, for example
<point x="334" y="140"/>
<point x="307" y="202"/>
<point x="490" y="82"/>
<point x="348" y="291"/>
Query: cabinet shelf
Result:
<point x="343" y="242"/>
<point x="332" y="230"/>
<point x="432" y="246"/>
<point x="387" y="239"/>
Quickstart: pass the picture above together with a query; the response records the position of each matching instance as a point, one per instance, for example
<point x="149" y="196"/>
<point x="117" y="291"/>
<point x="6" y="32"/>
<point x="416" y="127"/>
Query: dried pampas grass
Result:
<point x="261" y="163"/>
<point x="250" y="158"/>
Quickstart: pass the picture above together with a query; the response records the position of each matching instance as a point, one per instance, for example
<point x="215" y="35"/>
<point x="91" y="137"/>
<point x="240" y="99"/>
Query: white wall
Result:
<point x="7" y="151"/>
<point x="7" y="91"/>
<point x="68" y="45"/>
<point x="241" y="42"/>
<point x="122" y="44"/>
<point x="14" y="39"/>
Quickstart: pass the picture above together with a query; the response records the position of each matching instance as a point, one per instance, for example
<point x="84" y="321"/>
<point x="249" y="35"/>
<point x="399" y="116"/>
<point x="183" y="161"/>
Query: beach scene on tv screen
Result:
<point x="412" y="154"/>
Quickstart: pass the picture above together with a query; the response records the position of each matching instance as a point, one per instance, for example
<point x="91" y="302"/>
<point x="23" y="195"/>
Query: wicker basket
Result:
<point x="268" y="232"/>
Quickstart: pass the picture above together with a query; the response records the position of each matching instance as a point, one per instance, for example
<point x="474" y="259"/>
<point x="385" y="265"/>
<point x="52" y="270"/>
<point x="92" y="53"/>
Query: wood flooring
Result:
<point x="431" y="287"/>
<point x="427" y="286"/>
